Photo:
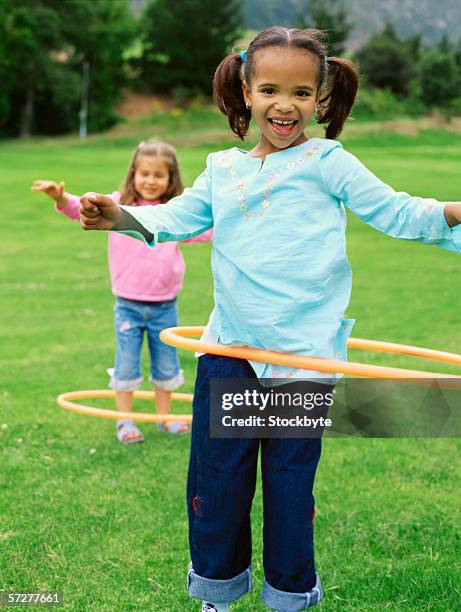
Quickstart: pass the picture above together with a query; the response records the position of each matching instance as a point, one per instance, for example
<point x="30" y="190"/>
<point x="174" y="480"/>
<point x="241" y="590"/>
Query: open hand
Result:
<point x="99" y="212"/>
<point x="53" y="190"/>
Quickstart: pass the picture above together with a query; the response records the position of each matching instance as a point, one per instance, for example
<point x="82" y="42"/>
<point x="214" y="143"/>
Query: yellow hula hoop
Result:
<point x="178" y="337"/>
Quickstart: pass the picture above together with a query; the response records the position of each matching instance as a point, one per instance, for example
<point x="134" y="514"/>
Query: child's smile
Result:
<point x="283" y="95"/>
<point x="283" y="126"/>
<point x="151" y="177"/>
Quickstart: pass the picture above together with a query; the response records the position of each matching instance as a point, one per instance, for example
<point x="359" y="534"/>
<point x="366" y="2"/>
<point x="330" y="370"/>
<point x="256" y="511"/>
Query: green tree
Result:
<point x="444" y="44"/>
<point x="31" y="35"/>
<point x="6" y="70"/>
<point x="183" y="42"/>
<point x="386" y="60"/>
<point x="439" y="78"/>
<point x="57" y="100"/>
<point x="457" y="54"/>
<point x="43" y="45"/>
<point x="330" y="16"/>
<point x="98" y="33"/>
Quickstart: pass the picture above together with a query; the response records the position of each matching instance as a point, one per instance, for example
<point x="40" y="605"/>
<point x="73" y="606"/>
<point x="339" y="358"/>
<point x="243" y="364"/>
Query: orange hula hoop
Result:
<point x="65" y="400"/>
<point x="178" y="337"/>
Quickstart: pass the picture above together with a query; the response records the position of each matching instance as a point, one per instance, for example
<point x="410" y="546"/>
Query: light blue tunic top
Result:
<point x="282" y="280"/>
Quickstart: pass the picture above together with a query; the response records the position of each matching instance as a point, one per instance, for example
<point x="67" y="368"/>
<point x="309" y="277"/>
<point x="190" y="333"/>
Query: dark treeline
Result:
<point x="400" y="75"/>
<point x="58" y="57"/>
<point x="44" y="47"/>
<point x="62" y="58"/>
<point x="431" y="19"/>
<point x="420" y="79"/>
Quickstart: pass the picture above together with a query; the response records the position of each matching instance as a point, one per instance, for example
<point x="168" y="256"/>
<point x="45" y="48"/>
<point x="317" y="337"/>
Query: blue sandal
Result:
<point x="127" y="432"/>
<point x="174" y="427"/>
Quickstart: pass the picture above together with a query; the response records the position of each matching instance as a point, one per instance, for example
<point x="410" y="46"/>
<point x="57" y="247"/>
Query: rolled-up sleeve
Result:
<point x="394" y="213"/>
<point x="182" y="218"/>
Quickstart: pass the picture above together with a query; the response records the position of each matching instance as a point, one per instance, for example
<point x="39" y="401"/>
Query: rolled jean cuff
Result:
<point x="284" y="601"/>
<point x="218" y="590"/>
<point x="170" y="384"/>
<point x="125" y="385"/>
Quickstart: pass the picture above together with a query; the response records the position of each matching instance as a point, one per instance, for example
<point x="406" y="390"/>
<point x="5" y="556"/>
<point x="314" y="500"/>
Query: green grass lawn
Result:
<point x="106" y="524"/>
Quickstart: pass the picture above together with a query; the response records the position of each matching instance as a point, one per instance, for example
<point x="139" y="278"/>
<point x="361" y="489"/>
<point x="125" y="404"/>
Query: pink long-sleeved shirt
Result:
<point x="138" y="272"/>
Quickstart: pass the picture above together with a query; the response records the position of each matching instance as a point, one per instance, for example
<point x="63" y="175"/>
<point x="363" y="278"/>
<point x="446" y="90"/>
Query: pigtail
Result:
<point x="228" y="94"/>
<point x="337" y="99"/>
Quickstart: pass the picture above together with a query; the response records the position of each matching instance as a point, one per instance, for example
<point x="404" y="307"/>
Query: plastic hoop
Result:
<point x="176" y="336"/>
<point x="65" y="400"/>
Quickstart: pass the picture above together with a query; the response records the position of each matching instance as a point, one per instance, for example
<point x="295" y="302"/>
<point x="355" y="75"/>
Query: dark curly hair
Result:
<point x="337" y="79"/>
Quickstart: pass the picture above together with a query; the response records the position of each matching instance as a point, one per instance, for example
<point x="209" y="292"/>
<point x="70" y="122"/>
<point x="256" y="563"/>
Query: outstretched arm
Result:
<point x="65" y="203"/>
<point x="100" y="212"/>
<point x="181" y="218"/>
<point x="394" y="213"/>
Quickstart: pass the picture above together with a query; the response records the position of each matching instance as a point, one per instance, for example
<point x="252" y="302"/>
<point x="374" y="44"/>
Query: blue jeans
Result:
<point x="132" y="320"/>
<point x="220" y="489"/>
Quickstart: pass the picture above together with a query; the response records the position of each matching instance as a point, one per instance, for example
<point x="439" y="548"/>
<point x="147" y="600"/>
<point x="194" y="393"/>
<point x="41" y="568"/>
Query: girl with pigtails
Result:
<point x="282" y="282"/>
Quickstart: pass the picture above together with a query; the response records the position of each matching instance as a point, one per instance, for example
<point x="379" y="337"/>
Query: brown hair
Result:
<point x="152" y="147"/>
<point x="337" y="79"/>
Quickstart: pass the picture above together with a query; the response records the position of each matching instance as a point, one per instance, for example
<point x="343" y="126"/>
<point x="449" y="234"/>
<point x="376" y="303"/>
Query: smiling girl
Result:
<point x="145" y="283"/>
<point x="282" y="282"/>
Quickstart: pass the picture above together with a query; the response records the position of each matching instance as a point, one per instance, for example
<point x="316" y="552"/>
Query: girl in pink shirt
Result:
<point x="145" y="283"/>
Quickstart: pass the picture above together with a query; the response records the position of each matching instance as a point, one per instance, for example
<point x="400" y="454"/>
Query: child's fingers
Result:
<point x="92" y="213"/>
<point x="87" y="203"/>
<point x="46" y="186"/>
<point x="90" y="216"/>
<point x="87" y="225"/>
<point x="88" y="209"/>
<point x="91" y="221"/>
<point x="38" y="185"/>
<point x="96" y="198"/>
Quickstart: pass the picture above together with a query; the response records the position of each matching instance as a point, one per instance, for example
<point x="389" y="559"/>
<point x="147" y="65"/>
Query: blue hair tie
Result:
<point x="243" y="56"/>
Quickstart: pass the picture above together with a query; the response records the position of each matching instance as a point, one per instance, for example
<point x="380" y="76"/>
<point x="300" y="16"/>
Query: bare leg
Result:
<point x="162" y="400"/>
<point x="163" y="403"/>
<point x="124" y="400"/>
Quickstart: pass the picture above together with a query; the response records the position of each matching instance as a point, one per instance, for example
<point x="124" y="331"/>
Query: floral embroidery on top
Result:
<point x="272" y="176"/>
<point x="434" y="234"/>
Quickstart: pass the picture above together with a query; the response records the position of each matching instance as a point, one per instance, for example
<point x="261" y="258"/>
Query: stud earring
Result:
<point x="248" y="106"/>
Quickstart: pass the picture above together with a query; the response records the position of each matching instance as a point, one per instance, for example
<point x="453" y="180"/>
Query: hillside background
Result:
<point x="430" y="18"/>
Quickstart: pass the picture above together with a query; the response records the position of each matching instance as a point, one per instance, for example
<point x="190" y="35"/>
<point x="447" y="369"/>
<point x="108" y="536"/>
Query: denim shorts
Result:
<point x="132" y="319"/>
